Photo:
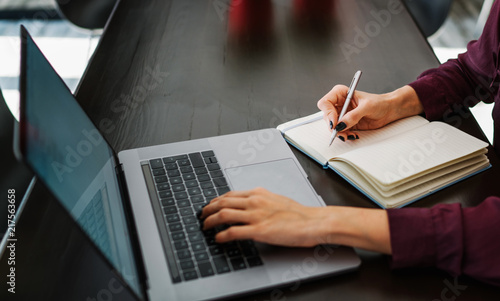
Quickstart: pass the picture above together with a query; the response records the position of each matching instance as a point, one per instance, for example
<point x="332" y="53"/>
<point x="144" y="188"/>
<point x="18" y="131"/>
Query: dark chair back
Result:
<point x="429" y="14"/>
<point x="90" y="14"/>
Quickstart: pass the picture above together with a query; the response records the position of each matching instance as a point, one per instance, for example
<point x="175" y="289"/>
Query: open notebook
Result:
<point x="397" y="164"/>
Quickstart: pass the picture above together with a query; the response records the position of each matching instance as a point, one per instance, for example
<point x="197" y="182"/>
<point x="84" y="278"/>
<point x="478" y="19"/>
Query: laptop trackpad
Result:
<point x="281" y="177"/>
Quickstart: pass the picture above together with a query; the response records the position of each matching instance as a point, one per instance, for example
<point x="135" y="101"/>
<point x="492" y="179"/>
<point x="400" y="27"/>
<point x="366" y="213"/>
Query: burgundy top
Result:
<point x="457" y="240"/>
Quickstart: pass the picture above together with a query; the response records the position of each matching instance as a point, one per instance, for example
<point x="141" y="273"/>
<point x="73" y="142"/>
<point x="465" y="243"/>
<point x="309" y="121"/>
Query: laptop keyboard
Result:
<point x="184" y="184"/>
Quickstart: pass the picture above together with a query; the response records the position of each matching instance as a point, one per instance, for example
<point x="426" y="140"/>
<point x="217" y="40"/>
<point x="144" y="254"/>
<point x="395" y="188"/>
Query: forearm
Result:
<point x="362" y="228"/>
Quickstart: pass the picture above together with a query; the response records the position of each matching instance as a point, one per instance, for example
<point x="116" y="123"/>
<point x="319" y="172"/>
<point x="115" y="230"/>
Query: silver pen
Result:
<point x="350" y="93"/>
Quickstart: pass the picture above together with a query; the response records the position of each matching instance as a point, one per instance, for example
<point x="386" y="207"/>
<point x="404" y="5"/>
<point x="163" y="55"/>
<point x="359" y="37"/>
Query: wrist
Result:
<point x="404" y="102"/>
<point x="362" y="228"/>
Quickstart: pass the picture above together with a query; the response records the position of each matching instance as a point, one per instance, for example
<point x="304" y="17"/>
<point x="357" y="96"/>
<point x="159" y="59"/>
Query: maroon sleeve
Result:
<point x="465" y="81"/>
<point x="459" y="241"/>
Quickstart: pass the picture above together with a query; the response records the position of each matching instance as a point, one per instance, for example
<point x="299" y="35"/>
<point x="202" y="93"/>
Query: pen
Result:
<point x="350" y="93"/>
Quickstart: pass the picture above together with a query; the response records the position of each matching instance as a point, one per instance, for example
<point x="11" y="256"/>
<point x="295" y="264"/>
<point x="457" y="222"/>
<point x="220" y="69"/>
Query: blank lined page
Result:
<point x="414" y="152"/>
<point x="314" y="137"/>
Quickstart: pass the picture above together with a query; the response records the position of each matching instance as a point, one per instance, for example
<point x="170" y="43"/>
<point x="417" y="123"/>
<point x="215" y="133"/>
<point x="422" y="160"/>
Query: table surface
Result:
<point x="168" y="71"/>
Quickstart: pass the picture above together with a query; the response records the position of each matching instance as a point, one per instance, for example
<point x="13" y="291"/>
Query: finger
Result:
<point x="331" y="104"/>
<point x="235" y="233"/>
<point x="350" y="135"/>
<point x="223" y="202"/>
<point x="351" y="118"/>
<point x="227" y="216"/>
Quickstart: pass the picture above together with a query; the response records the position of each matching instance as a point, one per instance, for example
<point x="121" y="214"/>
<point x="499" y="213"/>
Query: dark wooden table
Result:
<point x="169" y="71"/>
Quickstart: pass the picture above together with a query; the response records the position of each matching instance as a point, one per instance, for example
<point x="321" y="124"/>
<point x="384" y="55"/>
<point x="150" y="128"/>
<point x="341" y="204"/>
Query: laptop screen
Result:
<point x="70" y="156"/>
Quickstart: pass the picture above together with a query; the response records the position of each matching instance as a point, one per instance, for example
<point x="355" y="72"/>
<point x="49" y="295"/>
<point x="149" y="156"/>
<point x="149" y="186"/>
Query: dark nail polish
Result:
<point x="331" y="124"/>
<point x="340" y="127"/>
<point x="357" y="137"/>
<point x="351" y="137"/>
<point x="342" y="138"/>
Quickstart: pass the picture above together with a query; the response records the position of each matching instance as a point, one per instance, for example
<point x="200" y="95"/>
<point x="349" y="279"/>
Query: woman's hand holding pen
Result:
<point x="367" y="111"/>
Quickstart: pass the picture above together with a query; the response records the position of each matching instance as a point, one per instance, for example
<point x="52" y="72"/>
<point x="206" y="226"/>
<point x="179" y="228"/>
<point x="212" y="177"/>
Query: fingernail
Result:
<point x="340" y="127"/>
<point x="331" y="124"/>
<point x="351" y="137"/>
<point x="342" y="138"/>
<point x="357" y="137"/>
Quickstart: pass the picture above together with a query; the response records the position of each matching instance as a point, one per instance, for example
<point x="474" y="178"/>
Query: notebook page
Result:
<point x="414" y="152"/>
<point x="313" y="137"/>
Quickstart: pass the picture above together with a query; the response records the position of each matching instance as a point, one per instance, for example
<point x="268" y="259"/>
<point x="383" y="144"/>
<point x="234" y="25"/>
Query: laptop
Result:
<point x="139" y="207"/>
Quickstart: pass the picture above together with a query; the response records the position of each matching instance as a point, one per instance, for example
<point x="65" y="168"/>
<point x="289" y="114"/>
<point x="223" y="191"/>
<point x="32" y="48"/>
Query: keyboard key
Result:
<point x="172" y="218"/>
<point x="183" y="203"/>
<point x="198" y="247"/>
<point x="161" y="179"/>
<point x="201" y="170"/>
<point x="162" y="186"/>
<point x="194" y="191"/>
<point x="197" y="199"/>
<point x="221" y="265"/>
<point x="208" y="153"/>
<point x="195" y="236"/>
<point x="186" y="211"/>
<point x="187" y="264"/>
<point x="213" y="160"/>
<point x="165" y="194"/>
<point x="220" y="182"/>
<point x="190" y="220"/>
<point x="158" y="172"/>
<point x="207" y="160"/>
<point x="176" y="180"/>
<point x="203" y="178"/>
<point x="201" y="256"/>
<point x="198" y="208"/>
<point x="170" y="209"/>
<point x="196" y="160"/>
<point x="181" y="157"/>
<point x="171" y="166"/>
<point x="222" y="190"/>
<point x="205" y="269"/>
<point x="181" y="195"/>
<point x="216" y="250"/>
<point x="238" y="263"/>
<point x="168" y="160"/>
<point x="205" y="185"/>
<point x="216" y="174"/>
<point x="213" y="166"/>
<point x="175" y="227"/>
<point x="209" y="192"/>
<point x="167" y="202"/>
<point x="233" y="252"/>
<point x="189" y="176"/>
<point x="183" y="254"/>
<point x="254" y="261"/>
<point x="156" y="163"/>
<point x="191" y="183"/>
<point x="178" y="187"/>
<point x="182" y="244"/>
<point x="186" y="169"/>
<point x="190" y="275"/>
<point x="184" y="162"/>
<point x="192" y="228"/>
<point x="178" y="235"/>
<point x="173" y="173"/>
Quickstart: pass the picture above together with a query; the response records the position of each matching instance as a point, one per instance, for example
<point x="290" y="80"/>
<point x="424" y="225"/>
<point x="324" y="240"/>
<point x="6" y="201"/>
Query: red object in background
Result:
<point x="251" y="18"/>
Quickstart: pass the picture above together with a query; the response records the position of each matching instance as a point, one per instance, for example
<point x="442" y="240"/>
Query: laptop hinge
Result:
<point x="136" y="249"/>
